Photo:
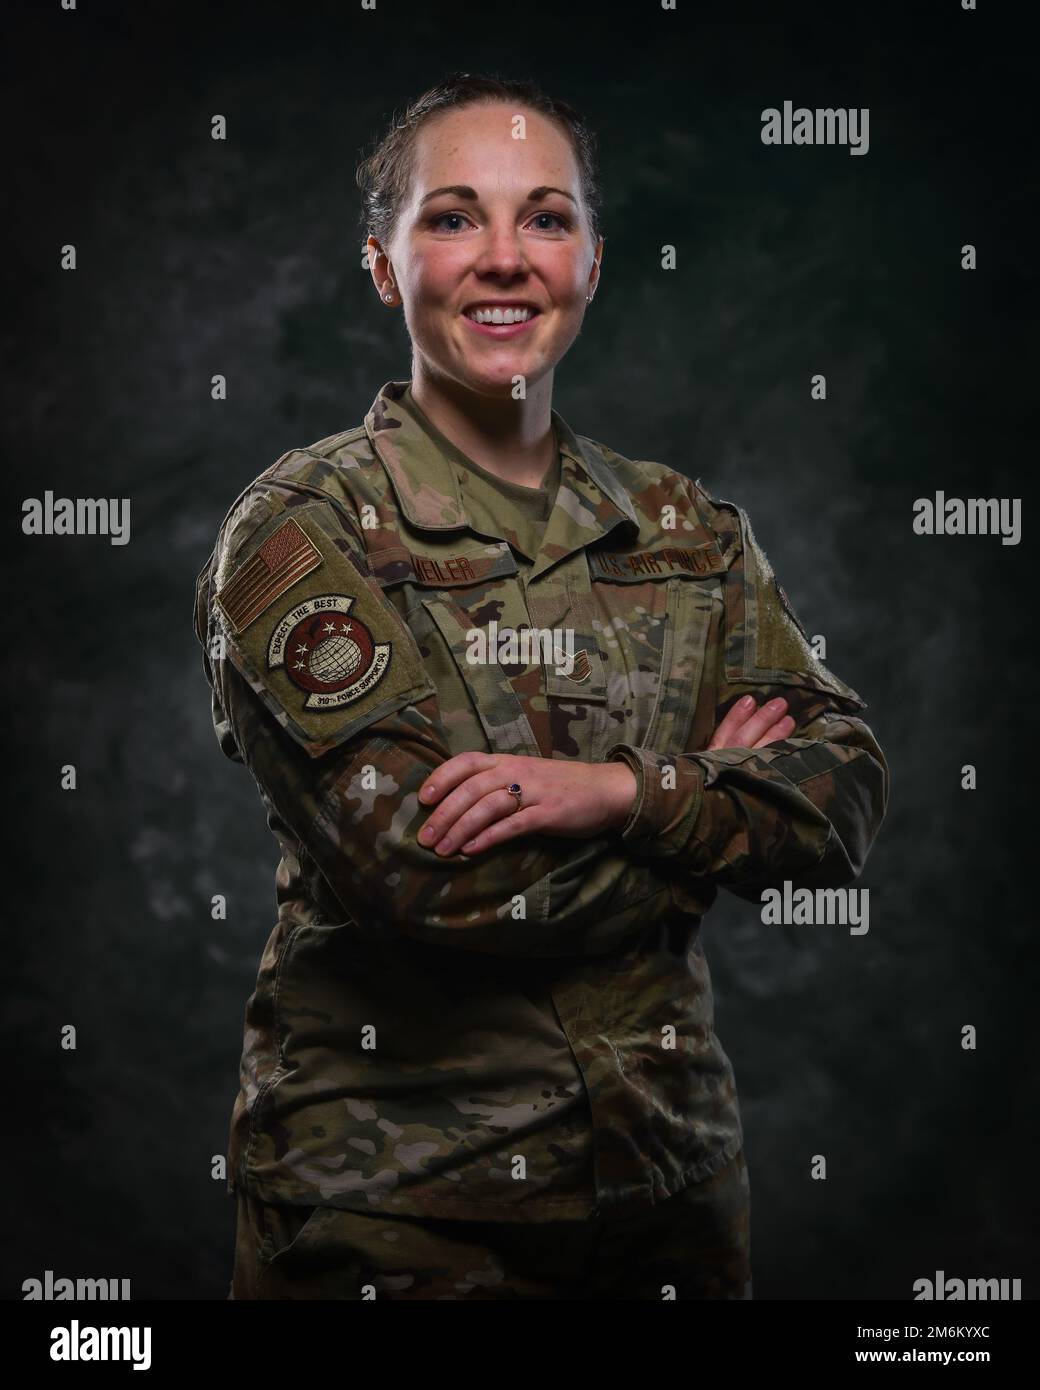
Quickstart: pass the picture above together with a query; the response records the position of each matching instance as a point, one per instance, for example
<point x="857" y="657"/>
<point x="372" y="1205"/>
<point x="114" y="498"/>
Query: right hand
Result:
<point x="746" y="726"/>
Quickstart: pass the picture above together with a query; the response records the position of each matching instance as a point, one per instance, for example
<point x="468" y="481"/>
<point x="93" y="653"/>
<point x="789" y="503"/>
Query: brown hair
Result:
<point x="384" y="174"/>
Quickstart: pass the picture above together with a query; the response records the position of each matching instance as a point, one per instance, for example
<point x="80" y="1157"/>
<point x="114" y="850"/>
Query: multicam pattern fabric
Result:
<point x="695" y="1245"/>
<point x="526" y="1034"/>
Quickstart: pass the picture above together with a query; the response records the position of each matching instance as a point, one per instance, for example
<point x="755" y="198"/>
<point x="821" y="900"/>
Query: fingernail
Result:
<point x="468" y="846"/>
<point x="777" y="704"/>
<point x="747" y="702"/>
<point x="426" y="834"/>
<point x="427" y="792"/>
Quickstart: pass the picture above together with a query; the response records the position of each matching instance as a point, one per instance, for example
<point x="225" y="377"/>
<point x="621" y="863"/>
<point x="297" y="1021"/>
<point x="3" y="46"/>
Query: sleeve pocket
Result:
<point x="766" y="642"/>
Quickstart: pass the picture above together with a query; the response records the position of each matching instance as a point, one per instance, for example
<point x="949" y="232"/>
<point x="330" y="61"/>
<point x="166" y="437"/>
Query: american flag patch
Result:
<point x="286" y="556"/>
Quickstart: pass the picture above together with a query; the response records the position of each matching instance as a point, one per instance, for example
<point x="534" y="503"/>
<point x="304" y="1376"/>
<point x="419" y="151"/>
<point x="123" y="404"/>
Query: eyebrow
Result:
<point x="463" y="190"/>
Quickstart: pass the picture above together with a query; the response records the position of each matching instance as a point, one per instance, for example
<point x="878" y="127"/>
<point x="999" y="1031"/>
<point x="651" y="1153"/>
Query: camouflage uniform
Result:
<point x="524" y="1035"/>
<point x="693" y="1245"/>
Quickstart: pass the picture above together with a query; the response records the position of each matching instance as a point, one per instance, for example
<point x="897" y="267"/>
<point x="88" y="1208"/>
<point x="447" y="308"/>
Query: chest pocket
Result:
<point x="655" y="620"/>
<point x="579" y="718"/>
<point x="464" y="609"/>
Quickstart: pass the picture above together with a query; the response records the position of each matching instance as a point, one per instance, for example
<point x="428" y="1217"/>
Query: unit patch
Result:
<point x="327" y="653"/>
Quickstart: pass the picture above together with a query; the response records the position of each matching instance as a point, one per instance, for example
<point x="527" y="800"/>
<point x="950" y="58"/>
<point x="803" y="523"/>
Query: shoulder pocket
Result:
<point x="765" y="641"/>
<point x="310" y="631"/>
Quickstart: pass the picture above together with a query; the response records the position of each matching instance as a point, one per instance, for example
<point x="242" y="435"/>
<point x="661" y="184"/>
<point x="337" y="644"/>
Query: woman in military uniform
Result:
<point x="516" y="706"/>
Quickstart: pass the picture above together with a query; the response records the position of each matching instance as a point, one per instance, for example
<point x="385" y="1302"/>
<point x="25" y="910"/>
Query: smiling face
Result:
<point x="491" y="223"/>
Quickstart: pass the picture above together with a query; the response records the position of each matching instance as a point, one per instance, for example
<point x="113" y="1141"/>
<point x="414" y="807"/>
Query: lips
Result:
<point x="501" y="330"/>
<point x="500" y="312"/>
<point x="501" y="304"/>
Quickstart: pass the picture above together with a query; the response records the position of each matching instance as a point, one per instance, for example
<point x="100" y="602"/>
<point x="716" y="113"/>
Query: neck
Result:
<point x="512" y="439"/>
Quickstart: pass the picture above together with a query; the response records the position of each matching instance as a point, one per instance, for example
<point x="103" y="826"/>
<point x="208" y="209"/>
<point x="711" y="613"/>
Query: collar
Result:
<point x="418" y="460"/>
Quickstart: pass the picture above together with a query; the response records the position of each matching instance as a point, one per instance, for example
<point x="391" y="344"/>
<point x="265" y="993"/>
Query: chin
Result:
<point x="496" y="379"/>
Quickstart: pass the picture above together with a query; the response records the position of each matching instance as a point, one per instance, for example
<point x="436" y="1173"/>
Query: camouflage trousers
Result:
<point x="695" y="1244"/>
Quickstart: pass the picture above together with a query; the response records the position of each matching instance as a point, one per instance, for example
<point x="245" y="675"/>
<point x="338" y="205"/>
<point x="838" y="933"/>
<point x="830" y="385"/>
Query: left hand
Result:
<point x="561" y="796"/>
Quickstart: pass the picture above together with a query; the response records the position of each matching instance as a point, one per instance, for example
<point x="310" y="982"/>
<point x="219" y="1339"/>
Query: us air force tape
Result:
<point x="313" y="634"/>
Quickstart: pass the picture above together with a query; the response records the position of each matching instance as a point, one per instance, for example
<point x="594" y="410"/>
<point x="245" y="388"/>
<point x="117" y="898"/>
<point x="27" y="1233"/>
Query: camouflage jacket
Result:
<point x="527" y="1033"/>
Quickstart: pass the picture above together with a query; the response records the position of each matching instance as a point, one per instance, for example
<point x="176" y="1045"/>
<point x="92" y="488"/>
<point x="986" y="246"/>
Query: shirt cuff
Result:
<point x="669" y="795"/>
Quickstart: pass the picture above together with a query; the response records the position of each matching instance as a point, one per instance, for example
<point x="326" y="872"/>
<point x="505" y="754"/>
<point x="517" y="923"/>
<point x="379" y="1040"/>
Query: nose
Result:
<point x="501" y="252"/>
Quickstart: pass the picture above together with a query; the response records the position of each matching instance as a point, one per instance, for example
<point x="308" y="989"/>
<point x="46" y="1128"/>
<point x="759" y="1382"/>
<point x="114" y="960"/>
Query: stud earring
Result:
<point x="388" y="297"/>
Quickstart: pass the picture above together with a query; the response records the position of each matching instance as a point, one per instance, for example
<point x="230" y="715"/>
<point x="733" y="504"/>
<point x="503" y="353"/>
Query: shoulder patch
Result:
<point x="313" y="634"/>
<point x="285" y="557"/>
<point x="328" y="652"/>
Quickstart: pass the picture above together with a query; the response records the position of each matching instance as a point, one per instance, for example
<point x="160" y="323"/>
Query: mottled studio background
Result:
<point x="242" y="258"/>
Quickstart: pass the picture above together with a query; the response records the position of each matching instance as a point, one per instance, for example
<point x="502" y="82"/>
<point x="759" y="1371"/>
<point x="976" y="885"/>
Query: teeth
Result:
<point x="499" y="315"/>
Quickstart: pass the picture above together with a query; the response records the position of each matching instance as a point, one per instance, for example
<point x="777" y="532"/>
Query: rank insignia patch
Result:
<point x="325" y="652"/>
<point x="284" y="558"/>
<point x="582" y="666"/>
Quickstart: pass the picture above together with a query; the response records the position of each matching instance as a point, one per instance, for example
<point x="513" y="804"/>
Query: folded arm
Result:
<point x="344" y="772"/>
<point x="805" y="808"/>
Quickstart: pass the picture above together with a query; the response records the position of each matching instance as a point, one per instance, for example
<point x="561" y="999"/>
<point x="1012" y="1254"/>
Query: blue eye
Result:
<point x="564" y="223"/>
<point x="440" y="218"/>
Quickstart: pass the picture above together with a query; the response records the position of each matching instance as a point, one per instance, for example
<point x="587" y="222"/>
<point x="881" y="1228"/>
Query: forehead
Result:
<point x="476" y="145"/>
